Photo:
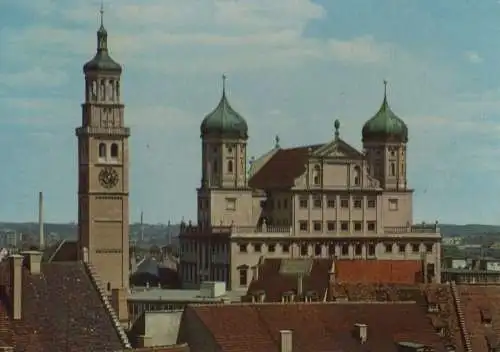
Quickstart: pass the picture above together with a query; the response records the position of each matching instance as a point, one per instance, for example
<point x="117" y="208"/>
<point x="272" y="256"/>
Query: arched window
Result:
<point x="114" y="150"/>
<point x="393" y="169"/>
<point x="102" y="150"/>
<point x="230" y="166"/>
<point x="357" y="175"/>
<point x="317" y="175"/>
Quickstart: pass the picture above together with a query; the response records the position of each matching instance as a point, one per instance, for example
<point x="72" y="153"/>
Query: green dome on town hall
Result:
<point x="385" y="125"/>
<point x="224" y="121"/>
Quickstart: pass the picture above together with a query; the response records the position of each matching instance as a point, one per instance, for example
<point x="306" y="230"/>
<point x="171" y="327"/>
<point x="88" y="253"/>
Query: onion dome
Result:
<point x="385" y="125"/>
<point x="224" y="121"/>
<point x="102" y="61"/>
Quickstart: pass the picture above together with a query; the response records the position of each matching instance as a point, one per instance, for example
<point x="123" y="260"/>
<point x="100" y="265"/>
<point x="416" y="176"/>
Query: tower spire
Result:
<point x="101" y="11"/>
<point x="224" y="78"/>
<point x="385" y="90"/>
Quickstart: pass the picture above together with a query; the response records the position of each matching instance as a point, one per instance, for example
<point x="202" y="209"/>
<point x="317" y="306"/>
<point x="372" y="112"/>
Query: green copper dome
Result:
<point x="224" y="121"/>
<point x="102" y="61"/>
<point x="385" y="125"/>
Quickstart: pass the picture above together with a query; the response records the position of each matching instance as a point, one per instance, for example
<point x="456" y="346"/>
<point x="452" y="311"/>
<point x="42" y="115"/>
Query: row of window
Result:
<point x="344" y="248"/>
<point x="317" y="226"/>
<point x="330" y="202"/>
<point x="103" y="150"/>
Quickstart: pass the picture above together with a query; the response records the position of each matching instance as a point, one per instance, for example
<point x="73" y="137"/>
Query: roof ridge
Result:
<point x="92" y="274"/>
<point x="51" y="258"/>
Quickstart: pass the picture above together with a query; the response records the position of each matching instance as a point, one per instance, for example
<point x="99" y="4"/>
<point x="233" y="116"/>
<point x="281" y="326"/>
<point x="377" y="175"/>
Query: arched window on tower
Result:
<point x="230" y="166"/>
<point x="317" y="175"/>
<point x="102" y="151"/>
<point x="114" y="151"/>
<point x="357" y="175"/>
<point x="393" y="169"/>
<point x="103" y="90"/>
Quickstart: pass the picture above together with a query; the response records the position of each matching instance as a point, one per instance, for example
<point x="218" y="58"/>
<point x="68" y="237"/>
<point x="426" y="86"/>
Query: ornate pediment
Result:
<point x="338" y="149"/>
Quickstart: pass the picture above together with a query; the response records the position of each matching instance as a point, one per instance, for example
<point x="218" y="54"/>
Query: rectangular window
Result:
<point x="303" y="225"/>
<point x="230" y="203"/>
<point x="331" y="249"/>
<point x="304" y="250"/>
<point x="358" y="203"/>
<point x="285" y="248"/>
<point x="317" y="250"/>
<point x="371" y="249"/>
<point x="402" y="248"/>
<point x="344" y="226"/>
<point x="303" y="203"/>
<point x="257" y="248"/>
<point x="243" y="248"/>
<point x="388" y="247"/>
<point x="317" y="202"/>
<point x="372" y="202"/>
<point x="344" y="203"/>
<point x="358" y="249"/>
<point x="278" y="204"/>
<point x="271" y="248"/>
<point x="371" y="225"/>
<point x="285" y="203"/>
<point x="243" y="277"/>
<point x="415" y="247"/>
<point x="317" y="226"/>
<point x="330" y="203"/>
<point x="358" y="226"/>
<point x="330" y="225"/>
<point x="345" y="249"/>
<point x="393" y="204"/>
<point x="428" y="247"/>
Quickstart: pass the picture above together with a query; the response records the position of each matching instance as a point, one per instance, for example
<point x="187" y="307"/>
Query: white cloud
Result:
<point x="34" y="77"/>
<point x="473" y="57"/>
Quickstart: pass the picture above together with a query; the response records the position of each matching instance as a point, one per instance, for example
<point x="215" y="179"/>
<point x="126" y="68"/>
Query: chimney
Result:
<point x="286" y="341"/>
<point x="33" y="260"/>
<point x="40" y="220"/>
<point x="361" y="332"/>
<point x="16" y="274"/>
<point x="300" y="288"/>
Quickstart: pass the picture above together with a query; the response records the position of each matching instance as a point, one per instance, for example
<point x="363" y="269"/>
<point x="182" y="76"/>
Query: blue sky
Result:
<point x="293" y="67"/>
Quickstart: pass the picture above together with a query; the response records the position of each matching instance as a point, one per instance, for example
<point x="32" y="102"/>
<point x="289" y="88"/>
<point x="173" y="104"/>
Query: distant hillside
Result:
<point x="468" y="230"/>
<point x="160" y="230"/>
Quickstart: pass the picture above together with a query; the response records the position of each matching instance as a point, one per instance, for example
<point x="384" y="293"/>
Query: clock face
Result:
<point x="108" y="177"/>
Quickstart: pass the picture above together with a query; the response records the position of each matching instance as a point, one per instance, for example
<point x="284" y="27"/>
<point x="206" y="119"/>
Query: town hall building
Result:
<point x="325" y="200"/>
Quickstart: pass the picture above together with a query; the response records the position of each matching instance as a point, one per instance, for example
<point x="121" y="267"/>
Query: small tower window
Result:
<point x="102" y="150"/>
<point x="317" y="175"/>
<point x="393" y="169"/>
<point x="230" y="166"/>
<point x="357" y="176"/>
<point x="114" y="150"/>
<point x="103" y="90"/>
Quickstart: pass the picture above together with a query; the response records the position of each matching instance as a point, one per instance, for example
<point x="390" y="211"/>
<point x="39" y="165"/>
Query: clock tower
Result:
<point x="103" y="190"/>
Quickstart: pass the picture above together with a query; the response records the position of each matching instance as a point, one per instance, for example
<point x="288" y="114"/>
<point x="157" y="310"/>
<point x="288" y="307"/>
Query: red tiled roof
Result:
<point x="274" y="284"/>
<point x="381" y="271"/>
<point x="282" y="169"/>
<point x="316" y="327"/>
<point x="60" y="309"/>
<point x="173" y="348"/>
<point x="478" y="303"/>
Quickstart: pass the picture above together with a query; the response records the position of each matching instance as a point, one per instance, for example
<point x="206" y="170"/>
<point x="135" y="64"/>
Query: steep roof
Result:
<point x="316" y="327"/>
<point x="379" y="271"/>
<point x="274" y="282"/>
<point x="282" y="168"/>
<point x="481" y="308"/>
<point x="61" y="309"/>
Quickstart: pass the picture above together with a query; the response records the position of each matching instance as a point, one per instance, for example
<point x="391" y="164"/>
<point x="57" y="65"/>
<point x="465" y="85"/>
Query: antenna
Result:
<point x="142" y="226"/>
<point x="40" y="221"/>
